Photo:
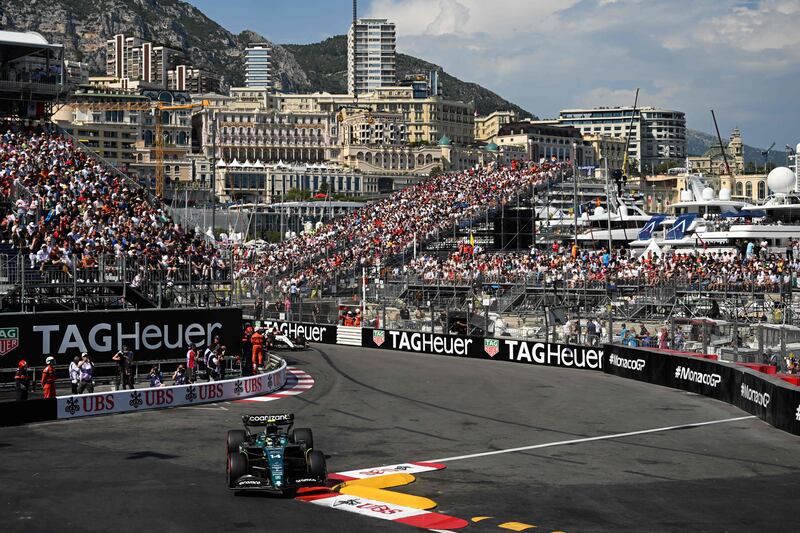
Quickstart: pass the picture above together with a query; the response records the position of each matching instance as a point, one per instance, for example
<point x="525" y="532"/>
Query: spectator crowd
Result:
<point x="387" y="227"/>
<point x="715" y="271"/>
<point x="73" y="211"/>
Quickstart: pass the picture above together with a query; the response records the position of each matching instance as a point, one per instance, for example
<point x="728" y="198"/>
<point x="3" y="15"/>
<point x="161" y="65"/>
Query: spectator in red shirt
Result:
<point x="191" y="363"/>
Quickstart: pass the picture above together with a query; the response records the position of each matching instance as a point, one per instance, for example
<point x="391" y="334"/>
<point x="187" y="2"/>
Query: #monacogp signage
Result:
<point x="103" y="403"/>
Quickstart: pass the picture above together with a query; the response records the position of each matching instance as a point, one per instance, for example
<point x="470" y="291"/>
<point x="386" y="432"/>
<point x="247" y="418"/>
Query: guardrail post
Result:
<point x="74" y="286"/>
<point x="22" y="277"/>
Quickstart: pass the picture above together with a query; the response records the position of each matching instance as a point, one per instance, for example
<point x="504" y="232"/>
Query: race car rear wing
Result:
<point x="268" y="420"/>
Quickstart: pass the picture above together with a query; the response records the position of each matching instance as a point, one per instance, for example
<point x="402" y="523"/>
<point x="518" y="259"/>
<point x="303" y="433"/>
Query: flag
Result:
<point x="472" y="239"/>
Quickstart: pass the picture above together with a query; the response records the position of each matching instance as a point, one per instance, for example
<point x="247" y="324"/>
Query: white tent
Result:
<point x="652" y="247"/>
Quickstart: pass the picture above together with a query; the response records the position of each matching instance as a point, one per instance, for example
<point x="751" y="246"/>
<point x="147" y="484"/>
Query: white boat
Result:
<point x="696" y="223"/>
<point x="621" y="224"/>
<point x="777" y="220"/>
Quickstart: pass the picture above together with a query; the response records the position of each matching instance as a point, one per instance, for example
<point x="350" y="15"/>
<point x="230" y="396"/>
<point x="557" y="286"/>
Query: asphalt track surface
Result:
<point x="164" y="470"/>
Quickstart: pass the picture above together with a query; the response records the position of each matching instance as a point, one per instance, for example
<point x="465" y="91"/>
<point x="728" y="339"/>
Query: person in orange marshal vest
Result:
<point x="49" y="378"/>
<point x="257" y="341"/>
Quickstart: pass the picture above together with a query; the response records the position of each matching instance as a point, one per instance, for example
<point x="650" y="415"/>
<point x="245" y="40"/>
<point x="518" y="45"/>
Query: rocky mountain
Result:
<point x="697" y="142"/>
<point x="83" y="26"/>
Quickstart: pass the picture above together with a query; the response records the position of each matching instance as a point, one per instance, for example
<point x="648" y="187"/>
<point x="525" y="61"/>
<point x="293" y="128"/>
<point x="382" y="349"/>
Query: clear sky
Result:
<point x="741" y="58"/>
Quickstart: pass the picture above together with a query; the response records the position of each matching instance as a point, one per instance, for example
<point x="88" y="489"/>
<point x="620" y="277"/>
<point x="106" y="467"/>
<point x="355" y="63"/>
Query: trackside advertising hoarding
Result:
<point x="152" y="334"/>
<point x="323" y="333"/>
<point x="773" y="402"/>
<point x="104" y="403"/>
<point x="502" y="349"/>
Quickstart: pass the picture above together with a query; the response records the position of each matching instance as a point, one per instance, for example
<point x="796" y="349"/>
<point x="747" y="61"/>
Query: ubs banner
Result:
<point x="157" y="398"/>
<point x="773" y="402"/>
<point x="151" y="334"/>
<point x="502" y="349"/>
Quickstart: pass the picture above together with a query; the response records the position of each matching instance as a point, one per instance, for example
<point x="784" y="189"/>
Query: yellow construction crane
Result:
<point x="157" y="108"/>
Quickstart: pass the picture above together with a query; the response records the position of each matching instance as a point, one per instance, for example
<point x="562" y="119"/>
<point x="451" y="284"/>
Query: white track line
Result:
<point x="587" y="439"/>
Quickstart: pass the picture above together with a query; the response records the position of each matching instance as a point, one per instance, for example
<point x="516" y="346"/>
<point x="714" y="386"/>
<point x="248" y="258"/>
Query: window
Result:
<point x="748" y="189"/>
<point x="762" y="190"/>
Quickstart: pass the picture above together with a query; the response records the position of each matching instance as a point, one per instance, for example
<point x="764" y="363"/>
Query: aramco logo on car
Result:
<point x="378" y="337"/>
<point x="491" y="347"/>
<point x="9" y="339"/>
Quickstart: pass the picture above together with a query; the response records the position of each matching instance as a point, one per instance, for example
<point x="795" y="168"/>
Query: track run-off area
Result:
<point x="524" y="448"/>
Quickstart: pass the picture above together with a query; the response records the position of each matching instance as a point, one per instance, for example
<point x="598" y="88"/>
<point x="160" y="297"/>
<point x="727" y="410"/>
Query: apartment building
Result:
<point x="257" y="66"/>
<point x="656" y="135"/>
<point x="487" y="128"/>
<point x="371" y="55"/>
<point x="248" y="131"/>
<point x="546" y="140"/>
<point x="427" y="119"/>
<point x="132" y="59"/>
<point x="193" y="80"/>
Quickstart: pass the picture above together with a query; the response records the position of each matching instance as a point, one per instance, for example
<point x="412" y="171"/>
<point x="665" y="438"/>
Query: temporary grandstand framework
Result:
<point x="31" y="75"/>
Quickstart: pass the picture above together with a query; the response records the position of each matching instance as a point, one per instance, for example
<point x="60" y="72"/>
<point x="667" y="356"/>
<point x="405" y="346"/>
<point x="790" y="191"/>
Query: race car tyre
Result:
<point x="235" y="438"/>
<point x="302" y="435"/>
<point x="316" y="465"/>
<point x="237" y="467"/>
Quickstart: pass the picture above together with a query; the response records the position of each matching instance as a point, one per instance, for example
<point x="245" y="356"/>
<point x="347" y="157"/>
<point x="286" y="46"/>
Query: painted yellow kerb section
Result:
<point x="373" y="488"/>
<point x="381" y="482"/>
<point x="480" y="518"/>
<point x="516" y="526"/>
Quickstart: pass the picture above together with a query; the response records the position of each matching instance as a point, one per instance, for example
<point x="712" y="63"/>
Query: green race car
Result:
<point x="275" y="457"/>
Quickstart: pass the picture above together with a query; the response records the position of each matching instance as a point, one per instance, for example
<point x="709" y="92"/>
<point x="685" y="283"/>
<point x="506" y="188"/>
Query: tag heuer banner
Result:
<point x="503" y="349"/>
<point x="9" y="340"/>
<point x="151" y="334"/>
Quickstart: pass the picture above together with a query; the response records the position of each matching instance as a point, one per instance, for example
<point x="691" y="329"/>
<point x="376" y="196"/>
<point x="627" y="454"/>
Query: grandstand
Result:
<point x="76" y="232"/>
<point x="79" y="235"/>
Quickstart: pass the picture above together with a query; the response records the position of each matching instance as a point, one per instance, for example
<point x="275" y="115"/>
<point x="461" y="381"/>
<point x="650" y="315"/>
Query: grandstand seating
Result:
<point x="71" y="225"/>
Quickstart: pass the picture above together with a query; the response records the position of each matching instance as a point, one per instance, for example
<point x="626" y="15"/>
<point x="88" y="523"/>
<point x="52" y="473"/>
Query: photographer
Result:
<point x="131" y="367"/>
<point x="180" y="377"/>
<point x="221" y="362"/>
<point x="123" y="368"/>
<point x="156" y="378"/>
<point x="86" y="374"/>
<point x="212" y="363"/>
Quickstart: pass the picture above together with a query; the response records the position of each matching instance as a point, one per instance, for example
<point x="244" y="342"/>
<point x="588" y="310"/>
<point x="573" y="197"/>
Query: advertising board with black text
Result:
<point x="496" y="349"/>
<point x="155" y="334"/>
